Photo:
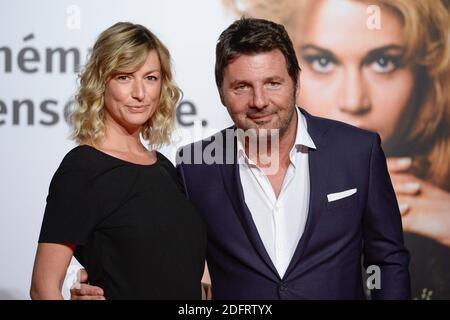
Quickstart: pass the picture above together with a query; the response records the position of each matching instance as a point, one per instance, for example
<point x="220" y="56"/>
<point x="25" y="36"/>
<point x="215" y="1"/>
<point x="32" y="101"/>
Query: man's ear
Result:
<point x="222" y="99"/>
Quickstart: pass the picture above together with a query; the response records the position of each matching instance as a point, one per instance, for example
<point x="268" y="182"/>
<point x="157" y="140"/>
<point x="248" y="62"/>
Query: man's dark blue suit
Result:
<point x="338" y="234"/>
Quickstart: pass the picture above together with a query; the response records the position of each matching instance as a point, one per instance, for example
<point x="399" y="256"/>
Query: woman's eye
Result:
<point x="122" y="77"/>
<point x="320" y="64"/>
<point x="152" y="78"/>
<point x="384" y="64"/>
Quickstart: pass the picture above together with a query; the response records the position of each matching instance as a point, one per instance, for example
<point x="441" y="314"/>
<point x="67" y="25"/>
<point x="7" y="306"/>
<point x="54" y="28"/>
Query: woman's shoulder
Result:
<point x="85" y="160"/>
<point x="79" y="157"/>
<point x="72" y="171"/>
<point x="83" y="165"/>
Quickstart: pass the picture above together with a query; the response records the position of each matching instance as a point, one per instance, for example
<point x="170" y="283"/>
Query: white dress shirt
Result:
<point x="280" y="221"/>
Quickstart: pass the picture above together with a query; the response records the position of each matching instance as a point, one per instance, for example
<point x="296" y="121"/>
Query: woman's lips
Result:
<point x="137" y="109"/>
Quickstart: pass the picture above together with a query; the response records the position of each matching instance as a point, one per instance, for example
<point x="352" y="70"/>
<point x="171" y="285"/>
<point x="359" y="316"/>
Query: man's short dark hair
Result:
<point x="252" y="36"/>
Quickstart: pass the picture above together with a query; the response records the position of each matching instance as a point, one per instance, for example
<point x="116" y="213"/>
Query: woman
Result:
<point x="112" y="203"/>
<point x="389" y="76"/>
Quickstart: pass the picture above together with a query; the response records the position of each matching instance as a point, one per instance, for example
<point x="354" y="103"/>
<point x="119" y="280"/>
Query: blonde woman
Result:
<point x="114" y="204"/>
<point x="394" y="79"/>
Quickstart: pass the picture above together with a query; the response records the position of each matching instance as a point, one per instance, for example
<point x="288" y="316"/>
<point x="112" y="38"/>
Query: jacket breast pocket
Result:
<point x="344" y="203"/>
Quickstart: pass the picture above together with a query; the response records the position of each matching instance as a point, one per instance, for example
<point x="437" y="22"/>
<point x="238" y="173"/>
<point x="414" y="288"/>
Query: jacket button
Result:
<point x="283" y="286"/>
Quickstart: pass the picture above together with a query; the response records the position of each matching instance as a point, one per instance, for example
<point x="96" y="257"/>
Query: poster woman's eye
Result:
<point x="385" y="64"/>
<point x="320" y="63"/>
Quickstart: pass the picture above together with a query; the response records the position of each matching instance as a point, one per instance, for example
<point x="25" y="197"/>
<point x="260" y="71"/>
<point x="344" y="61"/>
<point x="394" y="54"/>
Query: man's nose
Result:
<point x="260" y="99"/>
<point x="353" y="96"/>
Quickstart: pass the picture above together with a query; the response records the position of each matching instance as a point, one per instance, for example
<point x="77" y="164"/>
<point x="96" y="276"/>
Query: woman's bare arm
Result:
<point x="50" y="267"/>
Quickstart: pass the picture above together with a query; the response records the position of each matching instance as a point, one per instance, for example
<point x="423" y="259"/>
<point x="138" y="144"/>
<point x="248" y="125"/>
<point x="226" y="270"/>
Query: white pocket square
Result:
<point x="339" y="195"/>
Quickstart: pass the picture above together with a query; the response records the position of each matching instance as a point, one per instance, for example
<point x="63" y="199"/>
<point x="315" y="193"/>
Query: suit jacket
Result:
<point x="327" y="260"/>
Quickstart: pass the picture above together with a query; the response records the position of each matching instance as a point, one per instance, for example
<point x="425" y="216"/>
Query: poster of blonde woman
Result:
<point x="384" y="66"/>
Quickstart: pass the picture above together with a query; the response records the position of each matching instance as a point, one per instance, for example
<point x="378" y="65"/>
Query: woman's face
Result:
<point x="132" y="98"/>
<point x="350" y="72"/>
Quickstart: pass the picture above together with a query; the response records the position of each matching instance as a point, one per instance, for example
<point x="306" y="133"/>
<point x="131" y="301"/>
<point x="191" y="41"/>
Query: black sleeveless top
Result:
<point x="135" y="232"/>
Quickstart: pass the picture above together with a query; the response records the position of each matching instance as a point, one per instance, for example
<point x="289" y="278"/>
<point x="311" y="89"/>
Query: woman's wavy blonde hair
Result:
<point x="425" y="129"/>
<point x="123" y="47"/>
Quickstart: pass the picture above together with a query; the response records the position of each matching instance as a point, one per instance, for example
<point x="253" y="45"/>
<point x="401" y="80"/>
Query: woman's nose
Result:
<point x="353" y="96"/>
<point x="138" y="91"/>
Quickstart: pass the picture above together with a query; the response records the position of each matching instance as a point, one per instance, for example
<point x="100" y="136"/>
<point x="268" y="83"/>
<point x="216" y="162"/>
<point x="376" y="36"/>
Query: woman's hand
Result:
<point x="425" y="208"/>
<point x="206" y="284"/>
<point x="206" y="291"/>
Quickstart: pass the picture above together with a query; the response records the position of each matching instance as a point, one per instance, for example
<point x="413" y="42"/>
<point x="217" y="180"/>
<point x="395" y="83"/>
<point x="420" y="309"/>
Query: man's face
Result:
<point x="258" y="92"/>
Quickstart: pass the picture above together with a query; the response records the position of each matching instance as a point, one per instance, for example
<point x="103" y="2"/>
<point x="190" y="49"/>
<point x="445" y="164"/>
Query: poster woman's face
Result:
<point x="350" y="72"/>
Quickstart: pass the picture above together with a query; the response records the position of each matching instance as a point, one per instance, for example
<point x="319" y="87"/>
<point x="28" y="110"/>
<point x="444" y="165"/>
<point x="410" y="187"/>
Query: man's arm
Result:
<point x="383" y="234"/>
<point x="85" y="291"/>
<point x="88" y="292"/>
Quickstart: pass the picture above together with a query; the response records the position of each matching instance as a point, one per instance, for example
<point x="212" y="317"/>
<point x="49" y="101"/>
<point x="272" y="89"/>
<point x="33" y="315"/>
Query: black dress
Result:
<point x="135" y="232"/>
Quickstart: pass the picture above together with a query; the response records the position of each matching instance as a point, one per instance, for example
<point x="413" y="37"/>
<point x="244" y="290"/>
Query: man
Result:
<point x="289" y="222"/>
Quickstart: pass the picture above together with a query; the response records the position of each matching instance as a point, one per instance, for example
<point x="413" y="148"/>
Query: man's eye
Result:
<point x="240" y="87"/>
<point x="274" y="84"/>
<point x="384" y="64"/>
<point x="320" y="64"/>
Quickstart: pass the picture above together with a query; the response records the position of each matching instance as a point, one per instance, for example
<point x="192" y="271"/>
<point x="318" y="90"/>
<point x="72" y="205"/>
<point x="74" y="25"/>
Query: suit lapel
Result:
<point x="318" y="160"/>
<point x="233" y="187"/>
